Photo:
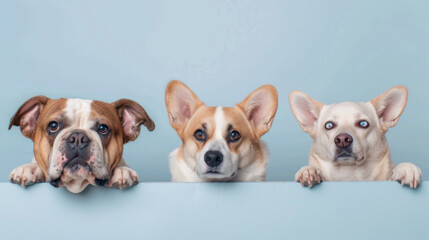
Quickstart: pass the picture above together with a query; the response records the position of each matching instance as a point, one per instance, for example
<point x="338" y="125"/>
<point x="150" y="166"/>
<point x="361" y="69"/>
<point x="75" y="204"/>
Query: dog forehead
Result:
<point x="78" y="111"/>
<point x="218" y="117"/>
<point x="347" y="111"/>
<point x="236" y="118"/>
<point x="203" y="115"/>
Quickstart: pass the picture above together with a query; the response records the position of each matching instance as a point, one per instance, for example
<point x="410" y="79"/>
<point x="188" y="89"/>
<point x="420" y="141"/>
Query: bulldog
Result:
<point x="220" y="143"/>
<point x="349" y="139"/>
<point x="78" y="142"/>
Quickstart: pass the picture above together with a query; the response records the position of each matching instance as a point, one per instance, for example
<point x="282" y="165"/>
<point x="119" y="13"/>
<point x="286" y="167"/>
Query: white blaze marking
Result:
<point x="220" y="123"/>
<point x="79" y="110"/>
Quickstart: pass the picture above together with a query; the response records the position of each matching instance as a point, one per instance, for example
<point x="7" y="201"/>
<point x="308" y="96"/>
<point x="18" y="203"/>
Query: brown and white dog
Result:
<point x="219" y="143"/>
<point x="349" y="139"/>
<point x="78" y="142"/>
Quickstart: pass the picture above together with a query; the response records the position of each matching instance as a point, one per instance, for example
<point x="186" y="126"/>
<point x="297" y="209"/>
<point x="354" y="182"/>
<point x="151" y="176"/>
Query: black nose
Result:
<point x="78" y="140"/>
<point x="343" y="140"/>
<point x="213" y="158"/>
<point x="101" y="182"/>
<point x="55" y="182"/>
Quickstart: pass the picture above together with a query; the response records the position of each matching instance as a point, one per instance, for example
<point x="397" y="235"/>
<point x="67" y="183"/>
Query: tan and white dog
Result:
<point x="78" y="142"/>
<point x="349" y="139"/>
<point x="219" y="143"/>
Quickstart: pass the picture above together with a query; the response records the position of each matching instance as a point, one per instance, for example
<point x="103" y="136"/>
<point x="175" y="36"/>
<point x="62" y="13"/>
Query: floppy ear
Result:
<point x="28" y="114"/>
<point x="181" y="104"/>
<point x="305" y="109"/>
<point x="132" y="116"/>
<point x="390" y="106"/>
<point x="260" y="108"/>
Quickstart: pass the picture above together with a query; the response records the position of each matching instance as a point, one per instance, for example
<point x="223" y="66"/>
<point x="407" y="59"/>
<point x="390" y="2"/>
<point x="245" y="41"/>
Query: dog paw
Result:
<point x="309" y="176"/>
<point x="407" y="174"/>
<point x="123" y="177"/>
<point x="27" y="174"/>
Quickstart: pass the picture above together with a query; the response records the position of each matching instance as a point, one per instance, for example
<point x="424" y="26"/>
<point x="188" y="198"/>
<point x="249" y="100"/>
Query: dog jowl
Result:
<point x="219" y="143"/>
<point x="349" y="139"/>
<point x="78" y="142"/>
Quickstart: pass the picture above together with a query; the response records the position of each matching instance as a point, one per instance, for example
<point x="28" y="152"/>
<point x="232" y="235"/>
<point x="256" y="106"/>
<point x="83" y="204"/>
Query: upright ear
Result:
<point x="132" y="116"/>
<point x="260" y="108"/>
<point x="305" y="109"/>
<point x="28" y="115"/>
<point x="181" y="104"/>
<point x="390" y="106"/>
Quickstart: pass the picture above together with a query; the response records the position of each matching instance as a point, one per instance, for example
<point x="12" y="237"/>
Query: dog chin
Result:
<point x="352" y="159"/>
<point x="216" y="176"/>
<point x="75" y="177"/>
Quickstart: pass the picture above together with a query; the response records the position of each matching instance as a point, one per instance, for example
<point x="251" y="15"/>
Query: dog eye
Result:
<point x="200" y="135"/>
<point x="234" y="136"/>
<point x="103" y="129"/>
<point x="329" y="125"/>
<point x="53" y="127"/>
<point x="363" y="124"/>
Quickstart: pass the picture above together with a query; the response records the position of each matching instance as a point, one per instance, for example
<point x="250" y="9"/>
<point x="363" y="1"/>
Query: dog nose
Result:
<point x="213" y="158"/>
<point x="343" y="140"/>
<point x="78" y="140"/>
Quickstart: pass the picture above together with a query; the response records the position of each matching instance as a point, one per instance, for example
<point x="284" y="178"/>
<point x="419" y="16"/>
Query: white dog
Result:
<point x="349" y="139"/>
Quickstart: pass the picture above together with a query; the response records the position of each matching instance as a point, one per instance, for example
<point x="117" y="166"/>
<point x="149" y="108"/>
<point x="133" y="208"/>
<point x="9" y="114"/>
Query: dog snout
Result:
<point x="343" y="140"/>
<point x="78" y="140"/>
<point x="213" y="158"/>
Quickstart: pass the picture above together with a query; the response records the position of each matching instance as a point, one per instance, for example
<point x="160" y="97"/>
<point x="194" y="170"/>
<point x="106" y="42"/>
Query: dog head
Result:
<point x="349" y="132"/>
<point x="218" y="141"/>
<point x="79" y="142"/>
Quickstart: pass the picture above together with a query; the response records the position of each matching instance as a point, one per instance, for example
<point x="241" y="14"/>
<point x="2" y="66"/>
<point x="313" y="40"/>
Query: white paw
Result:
<point x="309" y="176"/>
<point x="407" y="174"/>
<point x="27" y="174"/>
<point x="123" y="177"/>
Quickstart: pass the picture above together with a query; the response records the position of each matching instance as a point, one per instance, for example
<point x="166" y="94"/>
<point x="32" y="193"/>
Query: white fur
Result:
<point x="182" y="172"/>
<point x="27" y="174"/>
<point x="370" y="160"/>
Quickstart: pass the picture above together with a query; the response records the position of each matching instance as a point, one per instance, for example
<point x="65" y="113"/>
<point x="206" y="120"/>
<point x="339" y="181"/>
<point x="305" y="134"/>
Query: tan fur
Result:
<point x="187" y="114"/>
<point x="106" y="112"/>
<point x="42" y="142"/>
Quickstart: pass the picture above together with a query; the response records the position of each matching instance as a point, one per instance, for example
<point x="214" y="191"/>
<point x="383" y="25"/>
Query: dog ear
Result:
<point x="390" y="106"/>
<point x="28" y="114"/>
<point x="181" y="104"/>
<point x="305" y="110"/>
<point x="260" y="108"/>
<point x="132" y="116"/>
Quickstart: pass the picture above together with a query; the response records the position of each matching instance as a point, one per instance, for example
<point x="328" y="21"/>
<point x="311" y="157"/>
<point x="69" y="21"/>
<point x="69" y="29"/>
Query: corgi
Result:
<point x="220" y="143"/>
<point x="349" y="139"/>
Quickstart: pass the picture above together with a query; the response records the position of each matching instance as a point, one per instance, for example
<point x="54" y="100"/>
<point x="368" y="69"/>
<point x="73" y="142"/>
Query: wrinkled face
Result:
<point x="218" y="141"/>
<point x="78" y="142"/>
<point x="348" y="133"/>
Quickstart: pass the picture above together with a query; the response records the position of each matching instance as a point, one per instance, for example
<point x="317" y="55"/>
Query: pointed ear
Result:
<point x="390" y="106"/>
<point x="132" y="116"/>
<point x="305" y="110"/>
<point x="28" y="114"/>
<point x="181" y="104"/>
<point x="260" y="107"/>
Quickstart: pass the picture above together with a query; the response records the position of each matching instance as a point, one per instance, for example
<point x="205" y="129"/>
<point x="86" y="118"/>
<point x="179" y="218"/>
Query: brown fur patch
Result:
<point x="42" y="143"/>
<point x="105" y="113"/>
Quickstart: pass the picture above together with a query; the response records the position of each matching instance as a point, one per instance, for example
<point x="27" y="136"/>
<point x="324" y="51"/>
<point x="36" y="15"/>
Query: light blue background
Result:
<point x="106" y="50"/>
<point x="275" y="210"/>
